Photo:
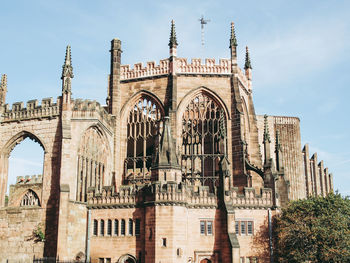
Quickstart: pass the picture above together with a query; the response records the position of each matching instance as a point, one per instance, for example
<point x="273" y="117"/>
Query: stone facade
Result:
<point x="177" y="167"/>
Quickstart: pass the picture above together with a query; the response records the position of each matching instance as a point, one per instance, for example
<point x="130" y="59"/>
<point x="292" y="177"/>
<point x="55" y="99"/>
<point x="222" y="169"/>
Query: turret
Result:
<point x="3" y="89"/>
<point x="114" y="96"/>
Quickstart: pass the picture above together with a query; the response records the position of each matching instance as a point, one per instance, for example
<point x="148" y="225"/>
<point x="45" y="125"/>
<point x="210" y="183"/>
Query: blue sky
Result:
<point x="300" y="52"/>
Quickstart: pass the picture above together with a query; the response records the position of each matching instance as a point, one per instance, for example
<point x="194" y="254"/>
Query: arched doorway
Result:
<point x="21" y="162"/>
<point x="127" y="259"/>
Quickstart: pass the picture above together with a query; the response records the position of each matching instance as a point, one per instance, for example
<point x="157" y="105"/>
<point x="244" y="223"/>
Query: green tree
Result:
<point x="313" y="230"/>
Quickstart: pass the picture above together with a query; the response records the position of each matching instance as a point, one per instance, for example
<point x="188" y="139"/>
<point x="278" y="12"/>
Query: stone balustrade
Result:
<point x="33" y="110"/>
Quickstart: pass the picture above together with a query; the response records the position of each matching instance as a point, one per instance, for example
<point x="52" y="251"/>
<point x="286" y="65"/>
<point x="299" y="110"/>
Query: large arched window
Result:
<point x="203" y="140"/>
<point x="142" y="129"/>
<point x="30" y="199"/>
<point x="92" y="162"/>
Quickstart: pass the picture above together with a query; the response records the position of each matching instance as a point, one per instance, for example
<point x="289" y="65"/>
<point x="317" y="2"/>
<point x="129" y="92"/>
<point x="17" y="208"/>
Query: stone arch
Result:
<point x="93" y="161"/>
<point x="205" y="260"/>
<point x="29" y="198"/>
<point x="140" y="124"/>
<point x="127" y="258"/>
<point x="4" y="158"/>
<point x="203" y="129"/>
<point x="18" y="138"/>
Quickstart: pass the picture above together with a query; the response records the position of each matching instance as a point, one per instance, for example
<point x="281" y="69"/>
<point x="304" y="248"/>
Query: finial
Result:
<point x="173" y="41"/>
<point x="247" y="64"/>
<point x="3" y="84"/>
<point x="233" y="40"/>
<point x="266" y="130"/>
<point x="67" y="66"/>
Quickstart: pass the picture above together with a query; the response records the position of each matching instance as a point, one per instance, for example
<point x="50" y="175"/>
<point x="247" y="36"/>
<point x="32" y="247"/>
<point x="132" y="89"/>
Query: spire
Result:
<point x="173" y="40"/>
<point x="247" y="64"/>
<point x="67" y="66"/>
<point x="266" y="130"/>
<point x="67" y="72"/>
<point x="233" y="40"/>
<point x="167" y="152"/>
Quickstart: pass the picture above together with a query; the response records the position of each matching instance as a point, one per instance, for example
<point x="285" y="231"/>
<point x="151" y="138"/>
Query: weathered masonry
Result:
<point x="176" y="167"/>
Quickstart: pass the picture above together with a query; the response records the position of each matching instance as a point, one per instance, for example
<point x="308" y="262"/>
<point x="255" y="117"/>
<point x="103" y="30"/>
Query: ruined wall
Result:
<point x="18" y="243"/>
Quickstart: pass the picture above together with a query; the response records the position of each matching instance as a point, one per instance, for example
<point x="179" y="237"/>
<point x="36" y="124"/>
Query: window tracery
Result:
<point x="30" y="199"/>
<point x="142" y="129"/>
<point x="203" y="141"/>
<point x="92" y="163"/>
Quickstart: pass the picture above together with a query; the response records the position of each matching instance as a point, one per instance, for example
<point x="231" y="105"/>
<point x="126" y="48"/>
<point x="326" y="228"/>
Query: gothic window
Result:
<point x="30" y="199"/>
<point x="95" y="229"/>
<point x="142" y="129"/>
<point x="92" y="163"/>
<point x="203" y="140"/>
<point x="109" y="227"/>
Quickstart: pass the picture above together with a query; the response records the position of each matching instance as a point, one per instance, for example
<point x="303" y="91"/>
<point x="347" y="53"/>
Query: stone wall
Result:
<point x="18" y="243"/>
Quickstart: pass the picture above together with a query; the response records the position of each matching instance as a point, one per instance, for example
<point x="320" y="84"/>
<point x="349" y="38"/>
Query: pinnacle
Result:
<point x="233" y="40"/>
<point x="266" y="130"/>
<point x="173" y="40"/>
<point x="247" y="64"/>
<point x="68" y="59"/>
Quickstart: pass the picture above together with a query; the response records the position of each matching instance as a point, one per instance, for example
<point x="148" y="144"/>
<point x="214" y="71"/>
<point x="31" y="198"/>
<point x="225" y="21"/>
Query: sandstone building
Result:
<point x="177" y="167"/>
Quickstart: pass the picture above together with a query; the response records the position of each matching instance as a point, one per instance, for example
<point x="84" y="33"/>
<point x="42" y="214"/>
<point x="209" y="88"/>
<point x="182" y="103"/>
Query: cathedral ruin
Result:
<point x="176" y="167"/>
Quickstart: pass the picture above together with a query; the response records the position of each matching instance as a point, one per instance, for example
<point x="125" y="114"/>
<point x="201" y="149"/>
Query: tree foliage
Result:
<point x="314" y="230"/>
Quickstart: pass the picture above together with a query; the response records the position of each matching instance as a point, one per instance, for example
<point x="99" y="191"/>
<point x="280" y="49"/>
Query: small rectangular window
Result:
<point x="237" y="227"/>
<point x="122" y="227"/>
<point x="241" y="260"/>
<point x="250" y="227"/>
<point x="209" y="227"/>
<point x="116" y="227"/>
<point x="202" y="227"/>
<point x="164" y="242"/>
<point x="131" y="227"/>
<point x="108" y="260"/>
<point x="95" y="229"/>
<point x="109" y="227"/>
<point x="101" y="260"/>
<point x="243" y="230"/>
<point x="102" y="227"/>
<point x="137" y="227"/>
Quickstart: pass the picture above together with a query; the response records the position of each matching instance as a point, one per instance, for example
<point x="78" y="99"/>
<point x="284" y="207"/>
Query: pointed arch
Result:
<point x="204" y="137"/>
<point x="93" y="161"/>
<point x="204" y="90"/>
<point x="140" y="119"/>
<point x="127" y="258"/>
<point x="30" y="198"/>
<point x="18" y="138"/>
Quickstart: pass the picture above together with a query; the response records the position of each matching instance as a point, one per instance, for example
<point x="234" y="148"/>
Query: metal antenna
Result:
<point x="203" y="22"/>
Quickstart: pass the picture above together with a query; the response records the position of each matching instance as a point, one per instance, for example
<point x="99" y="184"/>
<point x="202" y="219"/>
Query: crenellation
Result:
<point x="29" y="179"/>
<point x="32" y="104"/>
<point x="140" y="72"/>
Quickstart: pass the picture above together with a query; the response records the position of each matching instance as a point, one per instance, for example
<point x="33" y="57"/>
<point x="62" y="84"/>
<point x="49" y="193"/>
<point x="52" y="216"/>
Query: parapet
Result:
<point x="33" y="110"/>
<point x="249" y="198"/>
<point x="196" y="66"/>
<point x="29" y="179"/>
<point x="83" y="109"/>
<point x="139" y="71"/>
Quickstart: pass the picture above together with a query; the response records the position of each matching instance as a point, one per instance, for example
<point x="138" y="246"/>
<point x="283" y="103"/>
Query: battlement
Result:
<point x="29" y="179"/>
<point x="33" y="110"/>
<point x="139" y="71"/>
<point x="87" y="109"/>
<point x="249" y="198"/>
<point x="286" y="120"/>
<point x="196" y="66"/>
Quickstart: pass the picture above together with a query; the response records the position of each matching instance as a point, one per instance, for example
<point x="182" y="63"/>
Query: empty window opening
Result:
<point x="122" y="227"/>
<point x="131" y="227"/>
<point x="116" y="227"/>
<point x="137" y="227"/>
<point x="95" y="228"/>
<point x="163" y="242"/>
<point x="109" y="227"/>
<point x="102" y="228"/>
<point x="24" y="167"/>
